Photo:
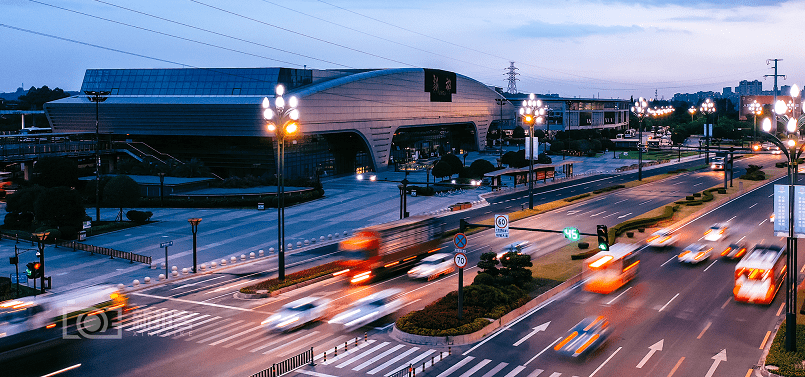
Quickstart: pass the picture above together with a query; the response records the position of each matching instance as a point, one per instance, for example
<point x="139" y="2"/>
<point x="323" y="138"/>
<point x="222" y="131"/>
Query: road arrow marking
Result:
<point x="537" y="329"/>
<point x="654" y="348"/>
<point x="721" y="356"/>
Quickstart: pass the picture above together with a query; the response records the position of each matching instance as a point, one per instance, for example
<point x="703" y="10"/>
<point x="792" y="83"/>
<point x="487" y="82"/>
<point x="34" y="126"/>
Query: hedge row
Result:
<point x="632" y="224"/>
<point x="231" y="202"/>
<point x="297" y="277"/>
<point x="577" y="197"/>
<point x="607" y="189"/>
<point x="790" y="363"/>
<point x="704" y="196"/>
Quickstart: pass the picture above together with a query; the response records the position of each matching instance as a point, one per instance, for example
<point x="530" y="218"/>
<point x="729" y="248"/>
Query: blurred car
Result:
<point x="717" y="163"/>
<point x="695" y="253"/>
<point x="585" y="337"/>
<point x="519" y="247"/>
<point x="662" y="238"/>
<point x="771" y="218"/>
<point x="370" y="308"/>
<point x="776" y="150"/>
<point x="735" y="250"/>
<point x="717" y="232"/>
<point x="433" y="266"/>
<point x="297" y="313"/>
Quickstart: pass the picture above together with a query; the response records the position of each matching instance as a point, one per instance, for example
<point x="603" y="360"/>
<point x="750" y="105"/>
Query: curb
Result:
<point x="265" y="293"/>
<point x="507" y="318"/>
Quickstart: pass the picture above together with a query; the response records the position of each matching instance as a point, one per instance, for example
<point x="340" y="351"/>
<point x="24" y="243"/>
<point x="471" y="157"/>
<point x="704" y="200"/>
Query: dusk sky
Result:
<point x="585" y="48"/>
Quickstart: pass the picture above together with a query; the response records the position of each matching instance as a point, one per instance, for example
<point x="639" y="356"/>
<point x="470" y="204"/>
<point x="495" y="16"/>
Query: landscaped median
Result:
<point x="273" y="287"/>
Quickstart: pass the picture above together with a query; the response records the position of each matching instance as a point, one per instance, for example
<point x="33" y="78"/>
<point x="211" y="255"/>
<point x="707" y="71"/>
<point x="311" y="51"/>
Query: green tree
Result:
<point x="56" y="171"/>
<point x="557" y="145"/>
<point x="442" y="169"/>
<point x="456" y="166"/>
<point x="121" y="192"/>
<point x="60" y="206"/>
<point x="518" y="132"/>
<point x="22" y="201"/>
<point x="480" y="167"/>
<point x="514" y="269"/>
<point x="488" y="264"/>
<point x="35" y="98"/>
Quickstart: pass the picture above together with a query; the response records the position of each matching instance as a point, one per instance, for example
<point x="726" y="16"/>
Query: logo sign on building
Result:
<point x="502" y="226"/>
<point x="440" y="84"/>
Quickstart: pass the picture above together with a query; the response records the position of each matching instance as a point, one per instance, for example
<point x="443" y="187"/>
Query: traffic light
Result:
<point x="603" y="238"/>
<point x="33" y="270"/>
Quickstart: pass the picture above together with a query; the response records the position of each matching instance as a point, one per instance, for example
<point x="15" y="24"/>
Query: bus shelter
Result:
<point x="541" y="172"/>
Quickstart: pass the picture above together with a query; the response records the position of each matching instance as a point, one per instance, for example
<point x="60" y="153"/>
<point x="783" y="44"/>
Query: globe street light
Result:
<point x="281" y="122"/>
<point x="640" y="109"/>
<point x="692" y="111"/>
<point x="194" y="228"/>
<point x="532" y="111"/>
<point x="707" y="107"/>
<point x="756" y="109"/>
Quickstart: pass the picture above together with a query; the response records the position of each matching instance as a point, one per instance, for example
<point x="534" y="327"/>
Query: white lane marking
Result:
<point x="536" y="373"/>
<point x="711" y="265"/>
<point x="771" y="195"/>
<point x="495" y="370"/>
<point x="392" y="361"/>
<point x="193" y="302"/>
<point x="678" y="183"/>
<point x="541" y="352"/>
<point x="537" y="329"/>
<point x="609" y="215"/>
<point x="515" y="371"/>
<point x="314" y="374"/>
<point x="62" y="370"/>
<point x="647" y="201"/>
<point x="620" y="201"/>
<point x="228" y="287"/>
<point x="454" y="367"/>
<point x="573" y="212"/>
<point x="753" y="205"/>
<point x="598" y="213"/>
<point x="184" y="328"/>
<point x="667" y="303"/>
<point x="235" y="336"/>
<point x="741" y="239"/>
<point x="198" y="282"/>
<point x="362" y="355"/>
<point x="697" y="184"/>
<point x="346" y="353"/>
<point x="378" y="357"/>
<point x="618" y="296"/>
<point x="717" y="359"/>
<point x="476" y="368"/>
<point x="761" y="223"/>
<point x="605" y="362"/>
<point x="732" y="218"/>
<point x="654" y="348"/>
<point x="620" y="217"/>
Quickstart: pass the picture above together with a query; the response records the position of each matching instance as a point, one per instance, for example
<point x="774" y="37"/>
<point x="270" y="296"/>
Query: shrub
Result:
<point x="690" y="197"/>
<point x="584" y="245"/>
<point x="422" y="191"/>
<point x="697" y="194"/>
<point x="139" y="217"/>
<point x="296" y="277"/>
<point x="577" y="197"/>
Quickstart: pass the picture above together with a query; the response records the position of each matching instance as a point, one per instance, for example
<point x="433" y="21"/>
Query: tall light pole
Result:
<point x="194" y="228"/>
<point x="756" y="109"/>
<point x="532" y="111"/>
<point x="708" y="108"/>
<point x="640" y="109"/>
<point x="500" y="102"/>
<point x="281" y="121"/>
<point x="97" y="97"/>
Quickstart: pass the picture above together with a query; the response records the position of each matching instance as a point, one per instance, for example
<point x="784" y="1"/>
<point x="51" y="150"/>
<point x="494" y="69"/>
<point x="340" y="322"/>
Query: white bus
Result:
<point x="607" y="271"/>
<point x="759" y="275"/>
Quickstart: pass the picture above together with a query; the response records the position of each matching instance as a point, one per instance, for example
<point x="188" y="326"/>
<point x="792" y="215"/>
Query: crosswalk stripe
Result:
<point x="347" y="353"/>
<point x="495" y="370"/>
<point x="238" y="328"/>
<point x="313" y="340"/>
<point x="456" y="366"/>
<point x="285" y="346"/>
<point x="476" y="368"/>
<point x="177" y="323"/>
<point x="161" y="322"/>
<point x="245" y="338"/>
<point x="140" y="319"/>
<point x="378" y="357"/>
<point x="362" y="355"/>
<point x="148" y="320"/>
<point x="219" y="328"/>
<point x="189" y="327"/>
<point x="536" y="373"/>
<point x="392" y="361"/>
<point x="413" y="361"/>
<point x="556" y="374"/>
<point x="202" y="328"/>
<point x="330" y="345"/>
<point x="128" y="317"/>
<point x="515" y="371"/>
<point x="308" y="335"/>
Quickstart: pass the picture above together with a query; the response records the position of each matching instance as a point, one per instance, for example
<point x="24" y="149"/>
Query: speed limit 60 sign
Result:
<point x="460" y="259"/>
<point x="502" y="226"/>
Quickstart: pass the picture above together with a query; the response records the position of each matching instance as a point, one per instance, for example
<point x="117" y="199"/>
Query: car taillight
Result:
<point x="587" y="344"/>
<point x="566" y="340"/>
<point x="726" y="251"/>
<point x="706" y="232"/>
<point x="682" y="254"/>
<point x="699" y="255"/>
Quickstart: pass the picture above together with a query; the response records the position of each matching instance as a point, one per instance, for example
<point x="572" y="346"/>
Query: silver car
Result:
<point x="370" y="309"/>
<point x="433" y="266"/>
<point x="297" y="313"/>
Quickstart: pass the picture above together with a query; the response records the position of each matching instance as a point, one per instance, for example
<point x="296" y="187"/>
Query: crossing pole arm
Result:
<point x="463" y="225"/>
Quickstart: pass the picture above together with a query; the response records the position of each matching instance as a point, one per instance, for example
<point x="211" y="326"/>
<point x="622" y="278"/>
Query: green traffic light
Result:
<point x="603" y="247"/>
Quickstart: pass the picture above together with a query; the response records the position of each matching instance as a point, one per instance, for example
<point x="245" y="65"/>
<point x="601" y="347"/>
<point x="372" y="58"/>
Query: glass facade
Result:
<point x="194" y="81"/>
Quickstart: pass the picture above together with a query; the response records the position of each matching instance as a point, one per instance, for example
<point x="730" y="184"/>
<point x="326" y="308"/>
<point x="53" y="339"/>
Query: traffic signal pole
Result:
<point x="463" y="225"/>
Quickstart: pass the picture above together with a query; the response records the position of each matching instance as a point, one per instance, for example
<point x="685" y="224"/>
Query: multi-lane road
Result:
<point x="197" y="326"/>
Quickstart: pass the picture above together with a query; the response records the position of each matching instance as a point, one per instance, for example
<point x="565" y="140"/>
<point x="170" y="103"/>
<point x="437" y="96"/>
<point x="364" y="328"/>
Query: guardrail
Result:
<point x="288" y="365"/>
<point x="132" y="257"/>
<point x="404" y="372"/>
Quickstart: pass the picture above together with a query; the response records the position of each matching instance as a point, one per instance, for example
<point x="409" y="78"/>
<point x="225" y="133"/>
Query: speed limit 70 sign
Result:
<point x="460" y="259"/>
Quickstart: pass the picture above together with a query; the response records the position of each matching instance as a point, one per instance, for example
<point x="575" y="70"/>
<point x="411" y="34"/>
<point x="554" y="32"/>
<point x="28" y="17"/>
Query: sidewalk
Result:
<point x="348" y="204"/>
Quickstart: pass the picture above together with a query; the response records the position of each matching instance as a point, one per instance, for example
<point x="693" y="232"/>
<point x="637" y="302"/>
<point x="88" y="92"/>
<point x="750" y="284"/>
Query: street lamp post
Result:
<point x="281" y="121"/>
<point x="692" y="111"/>
<point x="640" y="109"/>
<point x="194" y="228"/>
<point x="756" y="109"/>
<point x="500" y="102"/>
<point x="708" y="108"/>
<point x="532" y="111"/>
<point x="97" y="97"/>
<point x="162" y="190"/>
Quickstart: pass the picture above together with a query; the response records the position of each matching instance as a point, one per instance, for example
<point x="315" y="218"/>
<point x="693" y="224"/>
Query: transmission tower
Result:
<point x="512" y="74"/>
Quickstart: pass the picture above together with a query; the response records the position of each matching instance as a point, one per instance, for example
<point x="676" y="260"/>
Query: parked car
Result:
<point x="585" y="337"/>
<point x="695" y="253"/>
<point x="297" y="313"/>
<point x="370" y="309"/>
<point x="433" y="266"/>
<point x="662" y="238"/>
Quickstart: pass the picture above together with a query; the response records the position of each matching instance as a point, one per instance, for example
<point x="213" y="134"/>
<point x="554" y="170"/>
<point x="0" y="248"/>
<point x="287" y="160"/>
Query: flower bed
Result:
<point x="297" y="277"/>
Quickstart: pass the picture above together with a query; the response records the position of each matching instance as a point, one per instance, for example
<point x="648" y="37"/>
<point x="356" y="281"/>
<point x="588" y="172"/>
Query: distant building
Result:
<point x="577" y="113"/>
<point x="749" y="88"/>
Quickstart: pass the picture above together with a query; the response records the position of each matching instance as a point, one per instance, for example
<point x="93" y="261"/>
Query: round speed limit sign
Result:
<point x="460" y="259"/>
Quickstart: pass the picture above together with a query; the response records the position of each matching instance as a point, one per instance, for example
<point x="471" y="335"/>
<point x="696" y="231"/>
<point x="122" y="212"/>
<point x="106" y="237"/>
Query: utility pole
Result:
<point x="775" y="75"/>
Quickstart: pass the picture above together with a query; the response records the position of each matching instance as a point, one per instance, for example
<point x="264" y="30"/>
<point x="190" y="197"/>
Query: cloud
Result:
<point x="539" y="29"/>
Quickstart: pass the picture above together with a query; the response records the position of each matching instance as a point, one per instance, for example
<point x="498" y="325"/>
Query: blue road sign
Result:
<point x="460" y="240"/>
<point x="166" y="244"/>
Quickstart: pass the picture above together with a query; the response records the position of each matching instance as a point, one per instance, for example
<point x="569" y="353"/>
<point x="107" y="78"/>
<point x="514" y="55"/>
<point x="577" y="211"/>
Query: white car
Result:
<point x="695" y="253"/>
<point x="662" y="238"/>
<point x="717" y="232"/>
<point x="771" y="218"/>
<point x="297" y="313"/>
<point x="717" y="163"/>
<point x="370" y="308"/>
<point x="433" y="266"/>
<point x="519" y="247"/>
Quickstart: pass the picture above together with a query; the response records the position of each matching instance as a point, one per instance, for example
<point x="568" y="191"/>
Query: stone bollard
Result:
<point x="298" y="243"/>
<point x="175" y="273"/>
<point x="223" y="262"/>
<point x="153" y="266"/>
<point x="147" y="280"/>
<point x="174" y="268"/>
<point x="321" y="238"/>
<point x="203" y="267"/>
<point x="307" y="242"/>
<point x="262" y="253"/>
<point x="161" y="277"/>
<point x="335" y="234"/>
<point x="162" y="266"/>
<point x="243" y="257"/>
<point x="270" y="251"/>
<point x="290" y="246"/>
<point x="184" y="271"/>
<point x="345" y="233"/>
<point x="330" y="236"/>
<point x="213" y="264"/>
<point x="121" y="287"/>
<point x="313" y="240"/>
<point x="233" y="260"/>
<point x="251" y="255"/>
<point x="135" y="283"/>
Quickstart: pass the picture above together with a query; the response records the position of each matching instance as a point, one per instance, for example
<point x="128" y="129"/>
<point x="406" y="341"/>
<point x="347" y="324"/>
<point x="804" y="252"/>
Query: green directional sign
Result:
<point x="571" y="233"/>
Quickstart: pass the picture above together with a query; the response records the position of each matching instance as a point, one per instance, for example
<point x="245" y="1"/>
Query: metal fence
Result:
<point x="287" y="365"/>
<point x="404" y="372"/>
<point x="107" y="251"/>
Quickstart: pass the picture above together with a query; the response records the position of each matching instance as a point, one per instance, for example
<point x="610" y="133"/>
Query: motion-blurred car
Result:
<point x="717" y="163"/>
<point x="297" y="313"/>
<point x="776" y="150"/>
<point x="662" y="238"/>
<point x="370" y="309"/>
<point x="771" y="218"/>
<point x="519" y="247"/>
<point x="735" y="251"/>
<point x="695" y="253"/>
<point x="585" y="337"/>
<point x="433" y="266"/>
<point x="717" y="232"/>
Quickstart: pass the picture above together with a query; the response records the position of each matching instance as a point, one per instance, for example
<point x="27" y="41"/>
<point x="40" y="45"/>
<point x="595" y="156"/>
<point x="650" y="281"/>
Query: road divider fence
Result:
<point x="288" y="365"/>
